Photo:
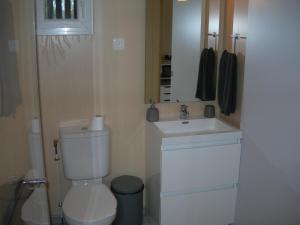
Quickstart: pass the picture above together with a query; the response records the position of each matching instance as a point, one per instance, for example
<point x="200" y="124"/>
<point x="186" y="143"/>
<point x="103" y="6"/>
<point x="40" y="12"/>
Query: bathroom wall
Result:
<point x="13" y="152"/>
<point x="166" y="27"/>
<point x="153" y="47"/>
<point x="121" y="83"/>
<point x="212" y="23"/>
<point x="14" y="161"/>
<point x="66" y="85"/>
<point x="93" y="79"/>
<point x="269" y="190"/>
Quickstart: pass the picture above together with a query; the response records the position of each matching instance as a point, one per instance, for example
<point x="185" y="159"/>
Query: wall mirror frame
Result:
<point x="64" y="17"/>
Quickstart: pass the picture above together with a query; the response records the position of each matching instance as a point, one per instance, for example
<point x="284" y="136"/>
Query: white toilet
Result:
<point x="35" y="210"/>
<point x="85" y="155"/>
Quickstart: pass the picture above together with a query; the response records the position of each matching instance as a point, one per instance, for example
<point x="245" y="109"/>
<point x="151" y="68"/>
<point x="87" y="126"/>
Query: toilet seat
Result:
<point x="89" y="204"/>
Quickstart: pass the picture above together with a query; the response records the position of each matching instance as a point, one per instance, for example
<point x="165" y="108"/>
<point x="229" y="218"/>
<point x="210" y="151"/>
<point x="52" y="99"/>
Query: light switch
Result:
<point x="118" y="44"/>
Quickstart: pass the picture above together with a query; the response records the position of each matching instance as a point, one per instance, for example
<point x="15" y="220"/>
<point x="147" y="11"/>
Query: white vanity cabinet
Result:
<point x="192" y="177"/>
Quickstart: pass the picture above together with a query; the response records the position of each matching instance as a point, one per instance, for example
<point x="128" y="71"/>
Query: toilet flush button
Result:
<point x="118" y="44"/>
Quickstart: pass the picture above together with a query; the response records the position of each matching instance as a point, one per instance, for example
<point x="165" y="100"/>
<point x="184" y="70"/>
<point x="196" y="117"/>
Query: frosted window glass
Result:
<point x="61" y="9"/>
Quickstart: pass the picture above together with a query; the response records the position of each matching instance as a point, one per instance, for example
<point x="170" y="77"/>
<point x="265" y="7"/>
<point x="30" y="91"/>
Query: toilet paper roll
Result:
<point x="97" y="123"/>
<point x="35" y="126"/>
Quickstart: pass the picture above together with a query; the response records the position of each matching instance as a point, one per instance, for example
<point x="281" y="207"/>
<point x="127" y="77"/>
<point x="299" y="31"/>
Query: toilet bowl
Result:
<point x="35" y="210"/>
<point x="85" y="156"/>
<point x="89" y="203"/>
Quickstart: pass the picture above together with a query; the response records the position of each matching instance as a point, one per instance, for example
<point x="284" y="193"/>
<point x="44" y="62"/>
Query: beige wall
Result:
<point x="90" y="79"/>
<point x="122" y="81"/>
<point x="14" y="161"/>
<point x="152" y="39"/>
<point x="66" y="94"/>
<point x="213" y="17"/>
<point x="166" y="27"/>
<point x="95" y="79"/>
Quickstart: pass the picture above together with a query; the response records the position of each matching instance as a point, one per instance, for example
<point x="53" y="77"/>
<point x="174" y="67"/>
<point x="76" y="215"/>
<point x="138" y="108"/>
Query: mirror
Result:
<point x="174" y="41"/>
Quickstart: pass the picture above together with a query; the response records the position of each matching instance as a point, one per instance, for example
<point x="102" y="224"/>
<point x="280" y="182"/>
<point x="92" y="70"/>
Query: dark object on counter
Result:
<point x="152" y="113"/>
<point x="227" y="85"/>
<point x="128" y="191"/>
<point x="206" y="87"/>
<point x="209" y="111"/>
<point x="167" y="57"/>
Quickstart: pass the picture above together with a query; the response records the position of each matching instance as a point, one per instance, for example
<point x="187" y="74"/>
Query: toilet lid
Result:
<point x="89" y="203"/>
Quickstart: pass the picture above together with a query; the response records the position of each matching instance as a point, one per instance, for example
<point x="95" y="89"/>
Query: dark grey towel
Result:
<point x="206" y="86"/>
<point x="227" y="85"/>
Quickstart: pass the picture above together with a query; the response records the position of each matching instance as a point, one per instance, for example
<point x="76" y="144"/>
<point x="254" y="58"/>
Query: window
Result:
<point x="64" y="17"/>
<point x="61" y="9"/>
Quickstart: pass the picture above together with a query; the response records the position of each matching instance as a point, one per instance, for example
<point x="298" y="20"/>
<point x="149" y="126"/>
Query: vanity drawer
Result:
<point x="200" y="168"/>
<point x="165" y="89"/>
<point x="165" y="99"/>
<point x="204" y="208"/>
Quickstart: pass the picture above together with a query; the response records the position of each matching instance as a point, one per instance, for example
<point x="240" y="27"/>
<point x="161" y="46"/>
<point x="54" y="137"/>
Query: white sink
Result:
<point x="193" y="126"/>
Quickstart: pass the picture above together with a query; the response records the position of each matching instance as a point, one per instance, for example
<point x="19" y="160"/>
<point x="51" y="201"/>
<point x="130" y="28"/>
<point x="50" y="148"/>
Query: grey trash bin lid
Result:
<point x="127" y="185"/>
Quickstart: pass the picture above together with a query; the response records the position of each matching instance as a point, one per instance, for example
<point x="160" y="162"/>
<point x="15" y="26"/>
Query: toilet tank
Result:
<point x="85" y="153"/>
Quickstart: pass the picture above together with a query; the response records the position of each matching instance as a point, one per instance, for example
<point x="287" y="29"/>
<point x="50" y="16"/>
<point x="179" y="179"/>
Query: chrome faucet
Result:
<point x="184" y="114"/>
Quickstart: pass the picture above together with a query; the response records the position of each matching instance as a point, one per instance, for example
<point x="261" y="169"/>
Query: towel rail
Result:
<point x="237" y="37"/>
<point x="215" y="35"/>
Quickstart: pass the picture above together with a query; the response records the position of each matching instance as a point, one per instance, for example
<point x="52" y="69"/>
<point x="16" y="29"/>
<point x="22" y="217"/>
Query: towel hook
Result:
<point x="236" y="37"/>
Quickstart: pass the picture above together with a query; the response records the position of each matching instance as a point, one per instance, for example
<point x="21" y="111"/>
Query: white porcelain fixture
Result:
<point x="85" y="155"/>
<point x="192" y="170"/>
<point x="35" y="210"/>
<point x="193" y="126"/>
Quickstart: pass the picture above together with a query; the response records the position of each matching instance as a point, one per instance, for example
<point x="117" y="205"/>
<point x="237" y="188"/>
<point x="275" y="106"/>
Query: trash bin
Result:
<point x="128" y="191"/>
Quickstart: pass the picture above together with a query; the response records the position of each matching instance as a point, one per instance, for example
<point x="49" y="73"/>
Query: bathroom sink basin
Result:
<point x="199" y="126"/>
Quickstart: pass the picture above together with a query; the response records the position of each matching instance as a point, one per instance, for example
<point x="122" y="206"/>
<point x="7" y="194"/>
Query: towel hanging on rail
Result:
<point x="206" y="86"/>
<point x="227" y="84"/>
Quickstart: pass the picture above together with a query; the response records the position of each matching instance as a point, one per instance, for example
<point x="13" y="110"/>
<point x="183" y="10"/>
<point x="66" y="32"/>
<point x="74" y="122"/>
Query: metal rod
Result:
<point x="237" y="37"/>
<point x="214" y="35"/>
<point x="35" y="181"/>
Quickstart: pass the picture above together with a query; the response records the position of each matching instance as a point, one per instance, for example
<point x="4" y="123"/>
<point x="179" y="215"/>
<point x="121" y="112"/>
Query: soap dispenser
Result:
<point x="152" y="113"/>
